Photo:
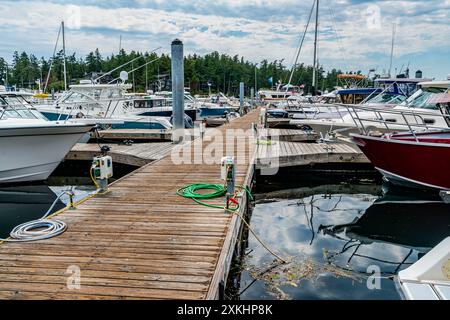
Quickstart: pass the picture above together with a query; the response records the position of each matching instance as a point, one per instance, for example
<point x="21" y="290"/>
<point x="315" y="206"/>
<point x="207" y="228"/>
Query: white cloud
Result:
<point x="33" y="25"/>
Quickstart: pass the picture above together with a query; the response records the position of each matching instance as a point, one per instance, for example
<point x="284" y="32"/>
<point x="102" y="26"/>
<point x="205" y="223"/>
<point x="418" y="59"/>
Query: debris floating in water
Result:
<point x="276" y="275"/>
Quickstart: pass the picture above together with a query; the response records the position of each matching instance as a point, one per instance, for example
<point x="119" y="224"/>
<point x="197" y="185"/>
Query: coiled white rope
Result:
<point x="39" y="229"/>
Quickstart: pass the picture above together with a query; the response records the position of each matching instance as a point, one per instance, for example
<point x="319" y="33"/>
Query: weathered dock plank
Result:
<point x="290" y="135"/>
<point x="138" y="154"/>
<point x="140" y="241"/>
<point x="135" y="134"/>
<point x="291" y="154"/>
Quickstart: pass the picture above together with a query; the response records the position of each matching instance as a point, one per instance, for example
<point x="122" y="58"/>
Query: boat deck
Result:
<point x="140" y="241"/>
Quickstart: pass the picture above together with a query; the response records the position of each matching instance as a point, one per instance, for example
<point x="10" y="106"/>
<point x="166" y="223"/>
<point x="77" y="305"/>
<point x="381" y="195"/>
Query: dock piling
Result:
<point x="178" y="91"/>
<point x="241" y="98"/>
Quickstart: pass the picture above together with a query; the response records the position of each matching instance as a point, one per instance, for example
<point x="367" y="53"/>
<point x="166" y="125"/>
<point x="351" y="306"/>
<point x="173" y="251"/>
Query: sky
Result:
<point x="353" y="34"/>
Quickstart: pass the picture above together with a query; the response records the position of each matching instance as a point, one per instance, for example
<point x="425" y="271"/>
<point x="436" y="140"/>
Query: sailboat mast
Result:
<point x="64" y="55"/>
<point x="392" y="47"/>
<point x="314" y="80"/>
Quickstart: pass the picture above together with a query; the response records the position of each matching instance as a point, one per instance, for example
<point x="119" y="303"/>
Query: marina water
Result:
<point x="342" y="241"/>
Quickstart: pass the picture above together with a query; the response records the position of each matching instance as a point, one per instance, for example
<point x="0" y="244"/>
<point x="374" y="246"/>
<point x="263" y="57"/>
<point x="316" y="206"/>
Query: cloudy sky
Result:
<point x="354" y="34"/>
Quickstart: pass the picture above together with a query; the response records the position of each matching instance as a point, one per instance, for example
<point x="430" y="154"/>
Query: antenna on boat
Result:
<point x="135" y="69"/>
<point x="121" y="66"/>
<point x="53" y="58"/>
<point x="314" y="80"/>
<point x="394" y="27"/>
<point x="64" y="55"/>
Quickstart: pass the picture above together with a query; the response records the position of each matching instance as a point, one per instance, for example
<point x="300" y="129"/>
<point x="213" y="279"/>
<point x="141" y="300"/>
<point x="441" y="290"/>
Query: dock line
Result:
<point x="53" y="228"/>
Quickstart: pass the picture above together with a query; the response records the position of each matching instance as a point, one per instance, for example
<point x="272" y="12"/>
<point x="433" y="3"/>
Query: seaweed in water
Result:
<point x="277" y="276"/>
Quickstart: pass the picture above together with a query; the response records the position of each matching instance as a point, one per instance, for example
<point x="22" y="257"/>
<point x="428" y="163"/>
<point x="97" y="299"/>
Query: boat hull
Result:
<point x="205" y="112"/>
<point x="408" y="163"/>
<point x="33" y="153"/>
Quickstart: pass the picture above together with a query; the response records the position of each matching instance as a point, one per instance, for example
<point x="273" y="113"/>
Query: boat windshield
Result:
<point x="423" y="99"/>
<point x="387" y="98"/>
<point x="76" y="97"/>
<point x="13" y="106"/>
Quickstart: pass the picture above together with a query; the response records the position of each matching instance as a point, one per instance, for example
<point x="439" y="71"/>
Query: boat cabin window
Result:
<point x="352" y="98"/>
<point x="156" y="103"/>
<point x="140" y="104"/>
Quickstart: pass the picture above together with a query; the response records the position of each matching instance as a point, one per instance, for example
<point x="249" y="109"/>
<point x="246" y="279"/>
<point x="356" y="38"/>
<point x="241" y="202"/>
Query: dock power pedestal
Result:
<point x="228" y="174"/>
<point x="102" y="170"/>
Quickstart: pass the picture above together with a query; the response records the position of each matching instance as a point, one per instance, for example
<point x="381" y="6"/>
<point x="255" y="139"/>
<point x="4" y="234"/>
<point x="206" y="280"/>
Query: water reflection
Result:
<point x="347" y="230"/>
<point x="20" y="204"/>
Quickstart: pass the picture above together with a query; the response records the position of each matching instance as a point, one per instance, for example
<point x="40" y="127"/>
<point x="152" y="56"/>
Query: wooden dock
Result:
<point x="291" y="154"/>
<point x="136" y="154"/>
<point x="140" y="154"/>
<point x="290" y="135"/>
<point x="140" y="241"/>
<point x="136" y="134"/>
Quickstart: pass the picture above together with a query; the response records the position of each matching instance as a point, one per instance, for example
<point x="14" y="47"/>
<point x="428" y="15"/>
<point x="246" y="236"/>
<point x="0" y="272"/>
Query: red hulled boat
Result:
<point x="415" y="160"/>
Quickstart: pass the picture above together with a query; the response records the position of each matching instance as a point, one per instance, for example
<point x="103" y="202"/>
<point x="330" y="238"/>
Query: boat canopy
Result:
<point x="358" y="91"/>
<point x="351" y="76"/>
<point x="435" y="84"/>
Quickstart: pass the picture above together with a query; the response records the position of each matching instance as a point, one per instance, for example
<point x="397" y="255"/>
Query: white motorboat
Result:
<point x="428" y="278"/>
<point x="422" y="111"/>
<point x="32" y="147"/>
<point x="103" y="104"/>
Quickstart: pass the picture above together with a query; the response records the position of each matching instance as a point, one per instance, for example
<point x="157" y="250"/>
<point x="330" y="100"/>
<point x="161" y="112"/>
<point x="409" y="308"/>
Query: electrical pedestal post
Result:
<point x="228" y="174"/>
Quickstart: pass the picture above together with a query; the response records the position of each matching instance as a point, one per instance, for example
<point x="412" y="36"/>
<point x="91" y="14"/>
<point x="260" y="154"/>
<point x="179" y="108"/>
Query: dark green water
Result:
<point x="335" y="235"/>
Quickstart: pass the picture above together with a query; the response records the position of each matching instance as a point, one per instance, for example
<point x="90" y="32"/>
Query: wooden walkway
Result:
<point x="140" y="241"/>
<point x="291" y="154"/>
<point x="140" y="154"/>
<point x="136" y="154"/>
<point x="136" y="134"/>
<point x="291" y="135"/>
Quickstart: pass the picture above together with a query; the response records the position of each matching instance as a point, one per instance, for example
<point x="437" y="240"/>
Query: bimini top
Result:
<point x="435" y="84"/>
<point x="351" y="76"/>
<point x="402" y="80"/>
<point x="16" y="93"/>
<point x="101" y="86"/>
<point x="359" y="91"/>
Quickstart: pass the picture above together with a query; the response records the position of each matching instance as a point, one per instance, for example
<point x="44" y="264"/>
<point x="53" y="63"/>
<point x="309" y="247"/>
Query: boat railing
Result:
<point x="108" y="106"/>
<point x="304" y="106"/>
<point x="413" y="120"/>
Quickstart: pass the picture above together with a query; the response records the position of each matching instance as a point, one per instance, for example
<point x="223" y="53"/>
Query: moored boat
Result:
<point x="410" y="159"/>
<point x="32" y="147"/>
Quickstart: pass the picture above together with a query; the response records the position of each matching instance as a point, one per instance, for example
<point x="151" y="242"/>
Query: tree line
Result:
<point x="214" y="71"/>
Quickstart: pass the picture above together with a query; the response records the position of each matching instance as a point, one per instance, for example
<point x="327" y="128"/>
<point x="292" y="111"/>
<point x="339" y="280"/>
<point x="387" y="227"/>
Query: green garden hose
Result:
<point x="218" y="190"/>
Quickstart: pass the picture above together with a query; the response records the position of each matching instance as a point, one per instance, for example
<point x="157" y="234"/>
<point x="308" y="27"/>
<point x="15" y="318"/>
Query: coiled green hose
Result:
<point x="218" y="190"/>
